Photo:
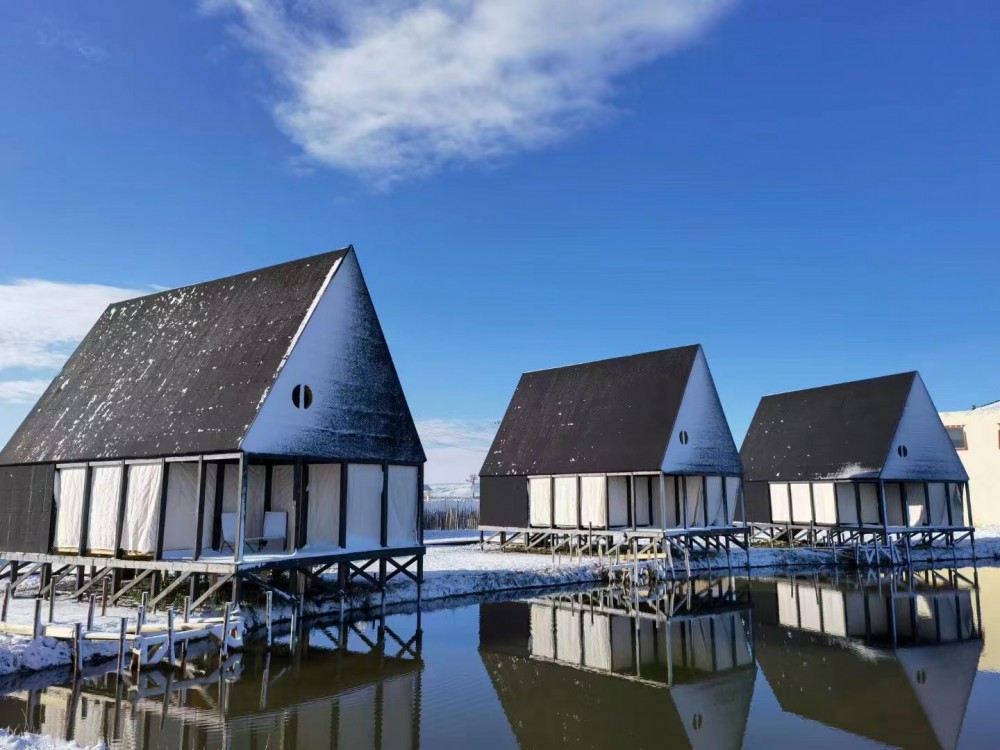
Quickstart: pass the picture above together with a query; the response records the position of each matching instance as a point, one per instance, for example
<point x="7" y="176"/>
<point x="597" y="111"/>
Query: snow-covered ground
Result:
<point x="9" y="741"/>
<point x="450" y="491"/>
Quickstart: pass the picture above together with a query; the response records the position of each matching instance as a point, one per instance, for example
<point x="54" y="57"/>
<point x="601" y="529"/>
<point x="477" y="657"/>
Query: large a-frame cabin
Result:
<point x="255" y="421"/>
<point x="864" y="461"/>
<point x="631" y="447"/>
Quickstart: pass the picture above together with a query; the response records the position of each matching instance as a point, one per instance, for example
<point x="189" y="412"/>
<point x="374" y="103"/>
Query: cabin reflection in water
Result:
<point x="356" y="686"/>
<point x="593" y="669"/>
<point x="892" y="659"/>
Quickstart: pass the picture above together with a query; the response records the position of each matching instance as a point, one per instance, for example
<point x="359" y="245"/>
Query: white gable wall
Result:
<point x="710" y="448"/>
<point x="930" y="454"/>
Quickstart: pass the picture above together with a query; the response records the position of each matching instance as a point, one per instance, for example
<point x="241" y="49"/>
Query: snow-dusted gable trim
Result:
<point x="701" y="441"/>
<point x="357" y="408"/>
<point x="921" y="436"/>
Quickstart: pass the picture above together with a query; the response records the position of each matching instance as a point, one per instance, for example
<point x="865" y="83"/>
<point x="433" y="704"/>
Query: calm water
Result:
<point x="775" y="662"/>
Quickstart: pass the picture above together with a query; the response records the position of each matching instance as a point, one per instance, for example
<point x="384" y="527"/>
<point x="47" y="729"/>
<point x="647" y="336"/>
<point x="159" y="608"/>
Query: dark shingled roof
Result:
<point x="816" y="433"/>
<point x="179" y="372"/>
<point x="612" y="415"/>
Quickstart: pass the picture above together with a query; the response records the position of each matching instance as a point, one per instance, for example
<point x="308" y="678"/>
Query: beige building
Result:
<point x="976" y="435"/>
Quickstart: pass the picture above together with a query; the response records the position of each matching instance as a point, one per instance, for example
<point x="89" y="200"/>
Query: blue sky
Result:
<point x="809" y="189"/>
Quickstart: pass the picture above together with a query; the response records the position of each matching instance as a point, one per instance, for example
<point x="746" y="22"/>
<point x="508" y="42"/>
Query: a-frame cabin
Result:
<point x="255" y="421"/>
<point x="638" y="445"/>
<point x="852" y="461"/>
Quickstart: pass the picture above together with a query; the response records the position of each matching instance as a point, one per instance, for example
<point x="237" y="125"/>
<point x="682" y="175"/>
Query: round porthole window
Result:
<point x="901" y="450"/>
<point x="302" y="396"/>
<point x="683" y="437"/>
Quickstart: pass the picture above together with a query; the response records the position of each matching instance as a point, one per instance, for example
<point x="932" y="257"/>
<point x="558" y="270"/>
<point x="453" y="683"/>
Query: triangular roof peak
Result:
<point x="183" y="371"/>
<point x="606" y="416"/>
<point x="848" y="431"/>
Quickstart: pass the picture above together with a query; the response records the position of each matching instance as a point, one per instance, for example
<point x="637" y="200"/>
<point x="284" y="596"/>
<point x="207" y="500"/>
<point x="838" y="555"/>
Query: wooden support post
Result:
<point x="161" y="509"/>
<point x="344" y="506"/>
<point x="268" y="615"/>
<point x="241" y="514"/>
<point x="225" y="630"/>
<point x="52" y="604"/>
<point x="663" y="501"/>
<point x="77" y="648"/>
<point x="6" y="602"/>
<point x="122" y="631"/>
<point x="220" y="486"/>
<point x="682" y="486"/>
<point x="552" y="504"/>
<point x="420" y="506"/>
<point x="91" y="610"/>
<point x="170" y="640"/>
<point x="85" y="511"/>
<point x="631" y="500"/>
<point x="120" y="509"/>
<point x="187" y="610"/>
<point x="725" y="506"/>
<point x="37" y="627"/>
<point x="199" y="524"/>
<point x="104" y="597"/>
<point x="968" y="505"/>
<point x="384" y="518"/>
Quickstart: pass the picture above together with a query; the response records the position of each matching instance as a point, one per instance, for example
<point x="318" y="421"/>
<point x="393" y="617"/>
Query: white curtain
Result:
<point x="957" y="507"/>
<point x="402" y="506"/>
<point x="788" y="607"/>
<point x="779" y="502"/>
<point x="869" y="502"/>
<point x="323" y="518"/>
<point x="694" y="501"/>
<point x="398" y="702"/>
<point x="364" y="506"/>
<point x="618" y="501"/>
<point x="834" y="612"/>
<point x="539" y="501"/>
<point x="673" y="507"/>
<point x="734" y="486"/>
<point x="182" y="507"/>
<point x="231" y="489"/>
<point x="356" y="720"/>
<point x="70" y="488"/>
<point x="938" y="496"/>
<point x="916" y="504"/>
<point x="141" y="503"/>
<point x="593" y="502"/>
<point x="847" y="506"/>
<point x="894" y="504"/>
<point x="105" y="489"/>
<point x="597" y="641"/>
<point x="642" y="497"/>
<point x="566" y="502"/>
<point x="256" y="484"/>
<point x="542" y="622"/>
<point x="569" y="647"/>
<point x="825" y="500"/>
<point x="716" y="511"/>
<point x="801" y="503"/>
<point x="622" y="641"/>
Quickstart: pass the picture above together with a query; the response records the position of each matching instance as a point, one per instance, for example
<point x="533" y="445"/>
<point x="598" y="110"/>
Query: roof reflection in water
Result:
<point x="592" y="669"/>
<point x="890" y="658"/>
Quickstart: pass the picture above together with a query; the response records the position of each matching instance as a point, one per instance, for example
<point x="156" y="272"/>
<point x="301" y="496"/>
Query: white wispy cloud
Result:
<point x="40" y="324"/>
<point x="455" y="448"/>
<point x="391" y="89"/>
<point x="22" y="391"/>
<point x="57" y="35"/>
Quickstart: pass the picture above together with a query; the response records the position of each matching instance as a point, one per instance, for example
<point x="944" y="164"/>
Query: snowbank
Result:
<point x="9" y="741"/>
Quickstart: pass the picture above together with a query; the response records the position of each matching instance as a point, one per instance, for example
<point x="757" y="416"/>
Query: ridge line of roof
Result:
<point x="610" y="359"/>
<point x="837" y="385"/>
<point x="232" y="276"/>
